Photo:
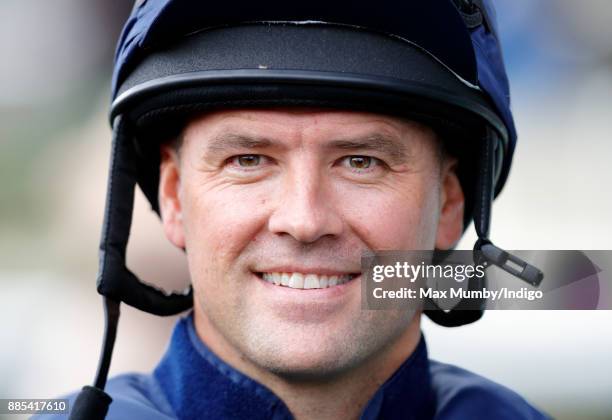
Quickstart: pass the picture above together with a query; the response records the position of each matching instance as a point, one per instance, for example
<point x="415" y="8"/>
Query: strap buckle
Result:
<point x="508" y="262"/>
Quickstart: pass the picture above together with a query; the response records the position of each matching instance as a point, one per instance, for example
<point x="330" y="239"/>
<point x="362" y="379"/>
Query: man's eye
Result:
<point x="361" y="162"/>
<point x="246" y="161"/>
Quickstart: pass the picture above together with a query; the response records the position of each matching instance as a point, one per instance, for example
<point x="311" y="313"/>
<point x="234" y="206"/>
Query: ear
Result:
<point x="169" y="195"/>
<point x="452" y="201"/>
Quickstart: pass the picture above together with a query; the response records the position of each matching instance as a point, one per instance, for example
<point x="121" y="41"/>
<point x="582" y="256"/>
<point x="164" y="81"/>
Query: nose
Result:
<point x="305" y="209"/>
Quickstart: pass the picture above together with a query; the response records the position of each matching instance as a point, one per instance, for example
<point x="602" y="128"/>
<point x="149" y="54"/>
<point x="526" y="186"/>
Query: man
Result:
<point x="278" y="144"/>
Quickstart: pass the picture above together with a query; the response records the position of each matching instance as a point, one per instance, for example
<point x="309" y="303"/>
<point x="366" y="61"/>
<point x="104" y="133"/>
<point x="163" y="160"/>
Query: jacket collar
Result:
<point x="196" y="382"/>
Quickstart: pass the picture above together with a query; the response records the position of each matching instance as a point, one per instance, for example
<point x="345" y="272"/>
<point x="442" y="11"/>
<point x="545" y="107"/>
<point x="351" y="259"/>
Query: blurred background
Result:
<point x="54" y="146"/>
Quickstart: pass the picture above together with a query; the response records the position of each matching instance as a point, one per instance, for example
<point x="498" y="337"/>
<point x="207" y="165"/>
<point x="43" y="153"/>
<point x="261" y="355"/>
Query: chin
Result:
<point x="312" y="367"/>
<point x="305" y="358"/>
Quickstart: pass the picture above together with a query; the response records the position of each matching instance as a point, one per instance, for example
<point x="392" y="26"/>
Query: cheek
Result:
<point x="401" y="215"/>
<point x="220" y="222"/>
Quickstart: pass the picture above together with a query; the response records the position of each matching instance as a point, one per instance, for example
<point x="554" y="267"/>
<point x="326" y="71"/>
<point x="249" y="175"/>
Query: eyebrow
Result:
<point x="230" y="141"/>
<point x="396" y="150"/>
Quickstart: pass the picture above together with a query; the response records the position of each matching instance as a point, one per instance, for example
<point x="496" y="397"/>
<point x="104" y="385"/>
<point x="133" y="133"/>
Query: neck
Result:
<point x="342" y="396"/>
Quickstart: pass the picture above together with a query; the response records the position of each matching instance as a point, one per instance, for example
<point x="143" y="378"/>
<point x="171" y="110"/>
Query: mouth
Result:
<point x="297" y="280"/>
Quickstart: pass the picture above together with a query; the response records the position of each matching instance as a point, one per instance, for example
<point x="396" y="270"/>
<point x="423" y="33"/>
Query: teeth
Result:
<point x="333" y="280"/>
<point x="311" y="281"/>
<point x="305" y="281"/>
<point x="284" y="279"/>
<point x="296" y="281"/>
<point x="276" y="278"/>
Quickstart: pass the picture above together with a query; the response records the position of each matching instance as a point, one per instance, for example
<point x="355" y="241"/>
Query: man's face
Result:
<point x="276" y="207"/>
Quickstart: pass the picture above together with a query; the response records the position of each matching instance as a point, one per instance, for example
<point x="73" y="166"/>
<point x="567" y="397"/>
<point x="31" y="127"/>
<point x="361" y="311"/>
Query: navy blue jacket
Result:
<point x="191" y="382"/>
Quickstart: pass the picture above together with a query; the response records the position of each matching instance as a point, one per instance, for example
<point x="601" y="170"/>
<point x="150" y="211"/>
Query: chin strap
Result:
<point x="92" y="402"/>
<point x="484" y="250"/>
<point x="115" y="281"/>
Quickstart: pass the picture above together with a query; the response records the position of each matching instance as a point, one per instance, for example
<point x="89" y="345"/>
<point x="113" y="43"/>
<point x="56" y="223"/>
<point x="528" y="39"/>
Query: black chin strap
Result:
<point x="115" y="281"/>
<point x="484" y="250"/>
<point x="92" y="402"/>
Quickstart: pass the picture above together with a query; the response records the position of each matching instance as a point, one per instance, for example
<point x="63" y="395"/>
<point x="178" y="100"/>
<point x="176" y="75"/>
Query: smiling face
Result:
<point x="276" y="207"/>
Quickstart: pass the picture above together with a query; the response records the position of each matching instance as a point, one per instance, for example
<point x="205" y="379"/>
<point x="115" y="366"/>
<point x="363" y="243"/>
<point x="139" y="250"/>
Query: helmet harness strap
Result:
<point x="485" y="250"/>
<point x="115" y="281"/>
